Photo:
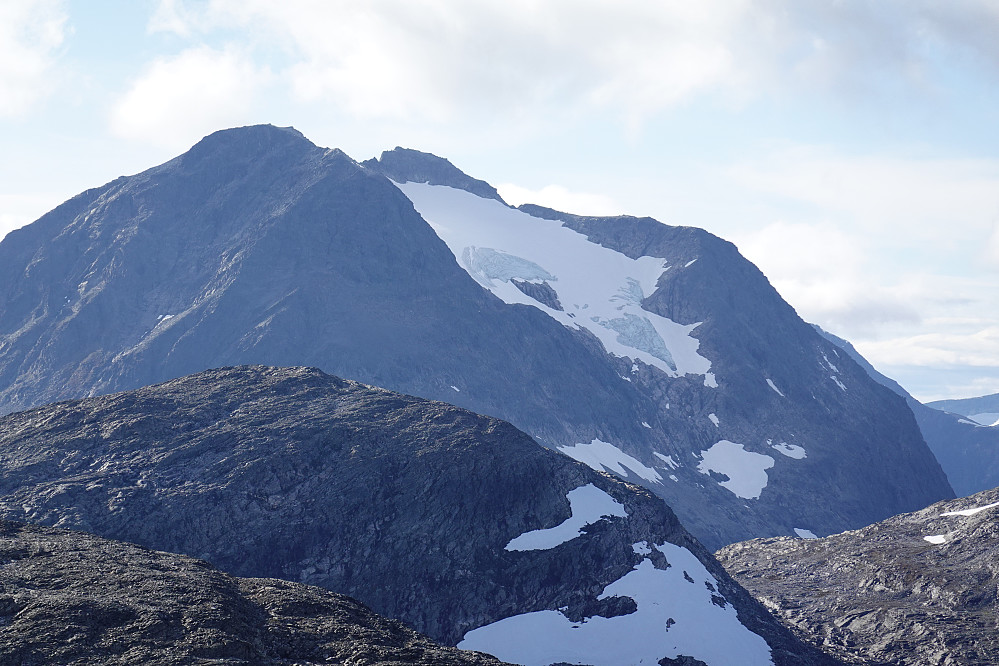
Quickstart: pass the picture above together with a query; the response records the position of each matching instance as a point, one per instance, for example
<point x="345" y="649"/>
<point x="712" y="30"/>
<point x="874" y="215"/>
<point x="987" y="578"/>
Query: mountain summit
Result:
<point x="654" y="352"/>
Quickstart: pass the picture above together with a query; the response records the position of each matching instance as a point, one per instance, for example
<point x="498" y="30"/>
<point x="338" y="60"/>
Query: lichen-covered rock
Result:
<point x="918" y="588"/>
<point x="70" y="597"/>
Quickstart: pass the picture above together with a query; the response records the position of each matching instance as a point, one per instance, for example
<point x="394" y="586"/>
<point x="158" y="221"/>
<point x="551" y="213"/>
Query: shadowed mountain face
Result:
<point x="919" y="588"/>
<point x="71" y="597"/>
<point x="968" y="450"/>
<point x="669" y="360"/>
<point x="456" y="523"/>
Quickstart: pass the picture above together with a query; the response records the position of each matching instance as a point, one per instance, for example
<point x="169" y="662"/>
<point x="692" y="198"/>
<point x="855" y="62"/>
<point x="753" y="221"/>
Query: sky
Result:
<point x="849" y="148"/>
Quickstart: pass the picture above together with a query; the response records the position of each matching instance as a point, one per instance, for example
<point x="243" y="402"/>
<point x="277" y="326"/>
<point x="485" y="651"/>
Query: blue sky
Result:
<point x="848" y="148"/>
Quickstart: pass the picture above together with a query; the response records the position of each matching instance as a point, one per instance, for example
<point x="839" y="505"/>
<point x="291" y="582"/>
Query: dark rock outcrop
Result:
<point x="405" y="164"/>
<point x="919" y="588"/>
<point x="406" y="504"/>
<point x="73" y="598"/>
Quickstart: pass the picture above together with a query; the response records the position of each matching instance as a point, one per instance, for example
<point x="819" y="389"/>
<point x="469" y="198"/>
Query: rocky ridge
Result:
<point x="71" y="597"/>
<point x="918" y="588"/>
<point x="419" y="509"/>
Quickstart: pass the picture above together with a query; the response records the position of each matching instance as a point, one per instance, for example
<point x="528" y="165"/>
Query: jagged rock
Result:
<point x="919" y="588"/>
<point x="425" y="512"/>
<point x="71" y="597"/>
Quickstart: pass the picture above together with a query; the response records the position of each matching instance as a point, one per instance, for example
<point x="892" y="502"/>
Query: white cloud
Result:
<point x="178" y="100"/>
<point x="560" y="198"/>
<point x="31" y="32"/>
<point x="507" y="60"/>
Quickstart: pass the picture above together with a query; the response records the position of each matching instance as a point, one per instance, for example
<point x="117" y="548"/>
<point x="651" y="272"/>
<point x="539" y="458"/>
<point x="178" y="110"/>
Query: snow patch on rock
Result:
<point x="603" y="456"/>
<point x="746" y="471"/>
<point x="804" y="534"/>
<point x="674" y="617"/>
<point x="774" y="387"/>
<point x="936" y="539"/>
<point x="789" y="450"/>
<point x="587" y="505"/>
<point x="970" y="512"/>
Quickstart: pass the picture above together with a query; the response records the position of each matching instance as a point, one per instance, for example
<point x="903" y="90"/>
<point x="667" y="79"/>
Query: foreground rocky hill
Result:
<point x="657" y="353"/>
<point x="919" y="588"/>
<point x="456" y="523"/>
<point x="73" y="598"/>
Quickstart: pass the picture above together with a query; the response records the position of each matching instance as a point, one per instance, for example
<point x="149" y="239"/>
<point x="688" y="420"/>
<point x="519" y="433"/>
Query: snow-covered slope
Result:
<point x="585" y="285"/>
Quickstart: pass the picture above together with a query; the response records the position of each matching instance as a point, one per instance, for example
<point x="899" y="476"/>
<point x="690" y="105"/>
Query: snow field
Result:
<point x="674" y="617"/>
<point x="599" y="289"/>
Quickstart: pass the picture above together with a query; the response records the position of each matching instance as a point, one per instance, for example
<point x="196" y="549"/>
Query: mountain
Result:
<point x="983" y="410"/>
<point x="71" y="597"/>
<point x="967" y="450"/>
<point x="919" y="588"/>
<point x="655" y="352"/>
<point x="458" y="524"/>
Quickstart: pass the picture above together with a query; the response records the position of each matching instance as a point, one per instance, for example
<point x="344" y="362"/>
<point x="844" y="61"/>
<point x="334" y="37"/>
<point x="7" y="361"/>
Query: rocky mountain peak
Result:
<point x="404" y="165"/>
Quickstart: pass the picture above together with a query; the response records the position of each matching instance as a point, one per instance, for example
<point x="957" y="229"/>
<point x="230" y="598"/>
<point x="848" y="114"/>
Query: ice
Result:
<point x="746" y="471"/>
<point x="600" y="289"/>
<point x="713" y="419"/>
<point x="603" y="455"/>
<point x="838" y="382"/>
<point x="674" y="617"/>
<point x="666" y="459"/>
<point x="970" y="512"/>
<point x="774" y="387"/>
<point x="789" y="450"/>
<point x="587" y="505"/>
<point x="936" y="539"/>
<point x="804" y="534"/>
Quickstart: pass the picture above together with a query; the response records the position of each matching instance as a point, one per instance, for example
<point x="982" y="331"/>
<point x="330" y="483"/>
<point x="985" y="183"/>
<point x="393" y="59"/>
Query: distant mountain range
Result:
<point x="654" y="352"/>
<point x="968" y="449"/>
<point x="458" y="524"/>
<point x="919" y="588"/>
<point x="982" y="410"/>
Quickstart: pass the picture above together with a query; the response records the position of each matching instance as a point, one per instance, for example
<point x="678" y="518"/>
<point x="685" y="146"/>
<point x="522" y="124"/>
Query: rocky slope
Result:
<point x="71" y="597"/>
<point x="654" y="352"/>
<point x="968" y="451"/>
<point x="456" y="523"/>
<point x="919" y="588"/>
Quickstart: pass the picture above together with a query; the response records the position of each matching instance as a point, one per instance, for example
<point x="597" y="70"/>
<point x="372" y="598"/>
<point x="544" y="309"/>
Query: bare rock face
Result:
<point x="258" y="247"/>
<point x="448" y="520"/>
<point x="918" y="588"/>
<point x="71" y="597"/>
